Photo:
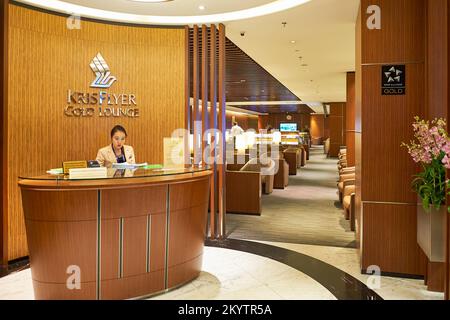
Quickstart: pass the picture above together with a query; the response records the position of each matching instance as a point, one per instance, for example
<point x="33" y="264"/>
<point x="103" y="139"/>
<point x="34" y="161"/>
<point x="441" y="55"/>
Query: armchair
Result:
<point x="345" y="180"/>
<point x="243" y="192"/>
<point x="292" y="156"/>
<point x="349" y="204"/>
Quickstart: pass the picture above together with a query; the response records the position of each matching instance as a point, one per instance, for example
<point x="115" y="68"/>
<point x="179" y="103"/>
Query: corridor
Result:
<point x="306" y="212"/>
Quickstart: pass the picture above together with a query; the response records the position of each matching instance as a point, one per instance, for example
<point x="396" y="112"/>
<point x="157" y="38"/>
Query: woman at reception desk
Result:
<point x="117" y="152"/>
<point x="115" y="238"/>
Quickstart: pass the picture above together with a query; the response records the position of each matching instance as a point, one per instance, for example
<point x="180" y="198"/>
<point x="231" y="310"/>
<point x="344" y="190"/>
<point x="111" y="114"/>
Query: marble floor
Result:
<point x="235" y="275"/>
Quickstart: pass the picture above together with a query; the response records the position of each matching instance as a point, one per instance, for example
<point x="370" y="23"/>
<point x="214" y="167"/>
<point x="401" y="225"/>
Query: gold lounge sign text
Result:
<point x="102" y="103"/>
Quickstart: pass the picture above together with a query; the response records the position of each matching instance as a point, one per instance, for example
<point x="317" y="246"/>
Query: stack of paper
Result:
<point x="55" y="172"/>
<point x="128" y="165"/>
<point x="88" y="173"/>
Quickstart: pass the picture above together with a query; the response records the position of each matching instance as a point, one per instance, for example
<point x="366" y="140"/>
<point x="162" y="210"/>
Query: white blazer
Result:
<point x="106" y="156"/>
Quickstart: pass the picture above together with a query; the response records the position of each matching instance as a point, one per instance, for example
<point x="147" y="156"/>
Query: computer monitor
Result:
<point x="288" y="127"/>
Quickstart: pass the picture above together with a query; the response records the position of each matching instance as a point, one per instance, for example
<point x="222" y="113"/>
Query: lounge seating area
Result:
<point x="247" y="183"/>
<point x="347" y="188"/>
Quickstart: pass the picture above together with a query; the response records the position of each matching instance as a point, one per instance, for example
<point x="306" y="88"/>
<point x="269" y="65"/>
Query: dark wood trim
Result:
<point x="222" y="128"/>
<point x="213" y="124"/>
<point x="4" y="18"/>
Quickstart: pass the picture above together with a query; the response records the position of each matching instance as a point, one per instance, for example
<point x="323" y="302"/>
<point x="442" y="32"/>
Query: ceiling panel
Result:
<point x="248" y="81"/>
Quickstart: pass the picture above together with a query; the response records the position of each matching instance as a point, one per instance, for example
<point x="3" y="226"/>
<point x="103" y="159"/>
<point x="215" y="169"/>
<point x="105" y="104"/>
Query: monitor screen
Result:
<point x="288" y="127"/>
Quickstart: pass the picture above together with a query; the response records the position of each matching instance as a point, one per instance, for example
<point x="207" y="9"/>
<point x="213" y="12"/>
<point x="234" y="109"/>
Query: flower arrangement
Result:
<point x="430" y="148"/>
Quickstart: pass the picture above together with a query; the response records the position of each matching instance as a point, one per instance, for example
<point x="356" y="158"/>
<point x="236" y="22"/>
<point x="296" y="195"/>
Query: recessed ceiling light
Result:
<point x="201" y="7"/>
<point x="293" y="41"/>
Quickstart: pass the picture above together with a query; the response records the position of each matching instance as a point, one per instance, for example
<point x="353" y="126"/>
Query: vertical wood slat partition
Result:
<point x="3" y="130"/>
<point x="205" y="118"/>
<point x="188" y="110"/>
<point x="213" y="123"/>
<point x="196" y="89"/>
<point x="208" y="44"/>
<point x="222" y="128"/>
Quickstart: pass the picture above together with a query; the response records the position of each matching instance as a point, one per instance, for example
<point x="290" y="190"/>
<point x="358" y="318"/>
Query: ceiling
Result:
<point x="324" y="35"/>
<point x="172" y="8"/>
<point x="173" y="12"/>
<point x="247" y="81"/>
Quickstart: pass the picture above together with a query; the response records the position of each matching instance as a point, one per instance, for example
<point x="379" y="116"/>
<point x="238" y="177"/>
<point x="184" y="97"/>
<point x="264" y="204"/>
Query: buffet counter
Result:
<point x="131" y="235"/>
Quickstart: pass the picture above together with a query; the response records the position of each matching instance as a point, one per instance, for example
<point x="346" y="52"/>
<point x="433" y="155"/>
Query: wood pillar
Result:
<point x="350" y="119"/>
<point x="196" y="95"/>
<point x="205" y="87"/>
<point x="3" y="129"/>
<point x="387" y="205"/>
<point x="337" y="124"/>
<point x="213" y="123"/>
<point x="188" y="109"/>
<point x="222" y="129"/>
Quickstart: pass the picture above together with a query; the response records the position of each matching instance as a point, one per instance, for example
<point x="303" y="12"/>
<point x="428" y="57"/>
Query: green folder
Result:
<point x="153" y="166"/>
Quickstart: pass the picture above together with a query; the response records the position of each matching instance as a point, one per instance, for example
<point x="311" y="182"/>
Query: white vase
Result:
<point x="431" y="232"/>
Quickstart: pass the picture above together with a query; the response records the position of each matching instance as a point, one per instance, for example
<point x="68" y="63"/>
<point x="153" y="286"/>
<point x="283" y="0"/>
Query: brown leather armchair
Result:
<point x="349" y="204"/>
<point x="243" y="192"/>
<point x="344" y="181"/>
<point x="292" y="158"/>
<point x="281" y="179"/>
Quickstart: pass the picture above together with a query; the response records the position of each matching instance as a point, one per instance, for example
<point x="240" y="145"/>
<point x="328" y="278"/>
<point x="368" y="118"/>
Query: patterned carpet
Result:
<point x="306" y="212"/>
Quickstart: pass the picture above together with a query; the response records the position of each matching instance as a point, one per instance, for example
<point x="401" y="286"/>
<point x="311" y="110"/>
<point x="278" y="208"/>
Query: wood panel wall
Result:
<point x="358" y="149"/>
<point x="337" y="127"/>
<point x="245" y="121"/>
<point x="3" y="104"/>
<point x="47" y="59"/>
<point x="437" y="88"/>
<point x="317" y="125"/>
<point x="350" y="129"/>
<point x="275" y="119"/>
<point x="387" y="206"/>
<point x="447" y="262"/>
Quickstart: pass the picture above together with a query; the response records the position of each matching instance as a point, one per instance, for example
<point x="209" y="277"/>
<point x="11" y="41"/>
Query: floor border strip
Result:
<point x="341" y="284"/>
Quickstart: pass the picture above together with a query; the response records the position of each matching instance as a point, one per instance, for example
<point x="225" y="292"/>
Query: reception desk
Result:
<point x="131" y="235"/>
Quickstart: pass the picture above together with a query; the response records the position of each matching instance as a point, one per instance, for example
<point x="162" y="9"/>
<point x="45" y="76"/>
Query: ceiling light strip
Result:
<point x="73" y="9"/>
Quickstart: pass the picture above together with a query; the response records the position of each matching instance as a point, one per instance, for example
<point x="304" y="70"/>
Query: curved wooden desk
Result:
<point x="124" y="238"/>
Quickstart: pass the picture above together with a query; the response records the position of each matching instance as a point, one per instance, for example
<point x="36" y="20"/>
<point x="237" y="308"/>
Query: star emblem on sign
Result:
<point x="394" y="75"/>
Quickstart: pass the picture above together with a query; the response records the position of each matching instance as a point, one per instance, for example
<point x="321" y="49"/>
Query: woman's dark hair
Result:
<point x="118" y="129"/>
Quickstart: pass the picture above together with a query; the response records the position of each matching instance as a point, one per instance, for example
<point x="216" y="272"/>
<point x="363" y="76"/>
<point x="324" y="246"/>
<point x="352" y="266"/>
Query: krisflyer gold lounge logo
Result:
<point x="103" y="79"/>
<point x="101" y="103"/>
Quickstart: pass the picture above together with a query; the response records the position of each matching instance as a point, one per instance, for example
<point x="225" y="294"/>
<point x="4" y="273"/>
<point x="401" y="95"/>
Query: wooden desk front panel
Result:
<point x="129" y="242"/>
<point x="61" y="231"/>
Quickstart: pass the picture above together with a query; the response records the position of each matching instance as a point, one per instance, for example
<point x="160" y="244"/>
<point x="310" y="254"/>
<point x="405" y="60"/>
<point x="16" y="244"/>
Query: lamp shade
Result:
<point x="276" y="137"/>
<point x="241" y="143"/>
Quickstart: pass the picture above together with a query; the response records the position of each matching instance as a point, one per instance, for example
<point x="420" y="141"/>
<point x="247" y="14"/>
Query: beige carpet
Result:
<point x="306" y="212"/>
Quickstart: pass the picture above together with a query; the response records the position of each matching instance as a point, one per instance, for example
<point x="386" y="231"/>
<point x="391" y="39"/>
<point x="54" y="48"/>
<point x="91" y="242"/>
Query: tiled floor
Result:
<point x="235" y="275"/>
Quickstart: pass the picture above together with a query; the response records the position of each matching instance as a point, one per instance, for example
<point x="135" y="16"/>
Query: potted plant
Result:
<point x="431" y="149"/>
